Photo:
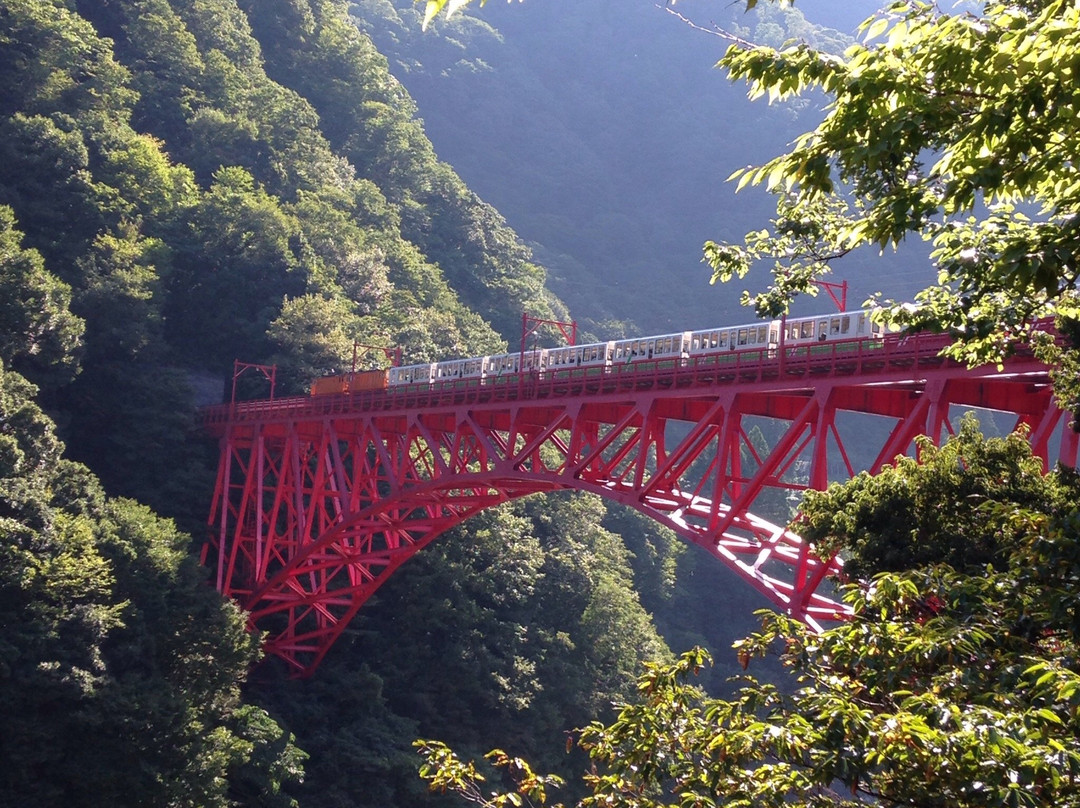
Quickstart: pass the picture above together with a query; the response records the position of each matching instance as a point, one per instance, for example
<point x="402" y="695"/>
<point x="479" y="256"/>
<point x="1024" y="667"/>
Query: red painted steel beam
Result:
<point x="320" y="499"/>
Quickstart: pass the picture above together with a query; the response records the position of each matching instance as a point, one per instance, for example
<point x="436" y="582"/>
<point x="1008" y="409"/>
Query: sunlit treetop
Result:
<point x="960" y="128"/>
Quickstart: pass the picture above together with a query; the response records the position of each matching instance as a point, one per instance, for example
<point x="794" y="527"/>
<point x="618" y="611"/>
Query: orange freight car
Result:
<point x="328" y="385"/>
<point x="367" y="380"/>
<point x="350" y="383"/>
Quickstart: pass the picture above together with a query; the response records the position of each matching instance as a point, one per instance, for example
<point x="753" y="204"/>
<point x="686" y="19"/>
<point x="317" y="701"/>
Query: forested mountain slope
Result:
<point x="184" y="183"/>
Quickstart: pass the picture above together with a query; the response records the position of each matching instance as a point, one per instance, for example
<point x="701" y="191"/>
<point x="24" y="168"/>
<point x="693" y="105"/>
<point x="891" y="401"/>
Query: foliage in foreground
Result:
<point x="955" y="686"/>
<point x="957" y="127"/>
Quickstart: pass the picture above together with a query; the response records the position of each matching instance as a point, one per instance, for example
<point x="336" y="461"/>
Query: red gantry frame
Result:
<point x="320" y="499"/>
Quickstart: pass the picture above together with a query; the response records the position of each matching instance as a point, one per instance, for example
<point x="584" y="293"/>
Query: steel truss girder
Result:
<point x="312" y="514"/>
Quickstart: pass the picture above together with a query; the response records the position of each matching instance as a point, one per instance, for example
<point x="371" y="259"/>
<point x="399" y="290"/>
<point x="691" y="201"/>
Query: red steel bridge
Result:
<point x="319" y="499"/>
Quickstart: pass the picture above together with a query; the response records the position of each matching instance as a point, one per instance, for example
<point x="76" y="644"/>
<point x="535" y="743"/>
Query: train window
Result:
<point x="742" y="336"/>
<point x="719" y="342"/>
<point x="774" y="334"/>
<point x="807" y="331"/>
<point x="845" y="324"/>
<point x="875" y="328"/>
<point x="762" y="333"/>
<point x="834" y="325"/>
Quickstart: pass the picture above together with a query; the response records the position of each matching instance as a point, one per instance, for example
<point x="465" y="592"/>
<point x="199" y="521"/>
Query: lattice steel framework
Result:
<point x="320" y="499"/>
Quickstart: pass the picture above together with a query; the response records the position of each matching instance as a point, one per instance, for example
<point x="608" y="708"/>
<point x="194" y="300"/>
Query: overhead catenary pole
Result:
<point x="832" y="288"/>
<point x="529" y="325"/>
<point x="239" y="368"/>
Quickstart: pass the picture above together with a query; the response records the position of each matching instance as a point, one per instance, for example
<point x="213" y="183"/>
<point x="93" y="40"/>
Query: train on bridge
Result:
<point x="656" y="351"/>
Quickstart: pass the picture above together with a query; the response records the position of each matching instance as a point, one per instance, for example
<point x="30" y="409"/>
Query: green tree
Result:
<point x="45" y="178"/>
<point x="246" y="255"/>
<point x="955" y="687"/>
<point x="316" y="337"/>
<point x="121" y="672"/>
<point x="942" y="521"/>
<point x="38" y="333"/>
<point x="958" y="128"/>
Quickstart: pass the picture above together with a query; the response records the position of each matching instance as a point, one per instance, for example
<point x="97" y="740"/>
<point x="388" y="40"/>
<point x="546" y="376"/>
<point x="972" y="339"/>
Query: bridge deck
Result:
<point x="894" y="360"/>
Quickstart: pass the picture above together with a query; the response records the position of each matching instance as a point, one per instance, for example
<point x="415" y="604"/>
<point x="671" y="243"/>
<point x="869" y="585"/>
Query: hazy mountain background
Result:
<point x="605" y="133"/>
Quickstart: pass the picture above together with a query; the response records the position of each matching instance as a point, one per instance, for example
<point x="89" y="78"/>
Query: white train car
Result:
<point x="412" y="374"/>
<point x="597" y="354"/>
<point x="509" y="364"/>
<point x="644" y="349"/>
<point x="734" y="338"/>
<point x="848" y="325"/>
<point x="456" y="369"/>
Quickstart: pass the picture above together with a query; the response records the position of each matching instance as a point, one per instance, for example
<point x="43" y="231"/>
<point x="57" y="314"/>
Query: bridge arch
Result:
<point x="320" y="499"/>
